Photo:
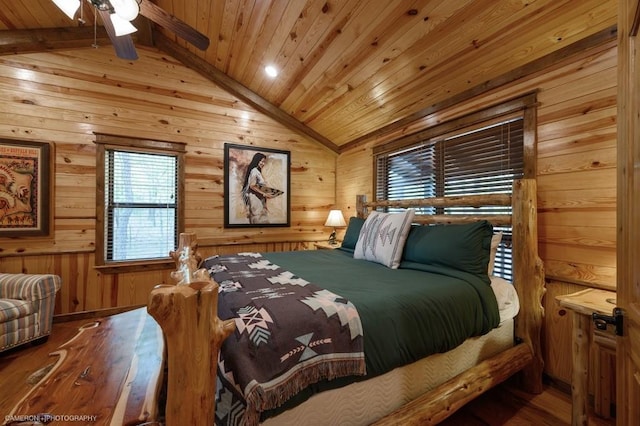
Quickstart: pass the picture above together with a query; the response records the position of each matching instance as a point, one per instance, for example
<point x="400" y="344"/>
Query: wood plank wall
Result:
<point x="64" y="96"/>
<point x="576" y="130"/>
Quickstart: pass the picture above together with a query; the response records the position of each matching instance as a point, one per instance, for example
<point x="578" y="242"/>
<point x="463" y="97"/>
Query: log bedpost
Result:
<point x="188" y="315"/>
<point x="528" y="279"/>
<point x="188" y="261"/>
<point x="361" y="208"/>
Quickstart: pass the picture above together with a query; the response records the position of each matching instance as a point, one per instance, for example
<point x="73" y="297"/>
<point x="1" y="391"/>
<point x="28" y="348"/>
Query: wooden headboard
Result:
<point x="528" y="279"/>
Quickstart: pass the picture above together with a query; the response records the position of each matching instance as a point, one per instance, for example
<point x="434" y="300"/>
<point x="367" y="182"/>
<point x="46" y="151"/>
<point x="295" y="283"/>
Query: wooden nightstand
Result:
<point x="583" y="304"/>
<point x="324" y="245"/>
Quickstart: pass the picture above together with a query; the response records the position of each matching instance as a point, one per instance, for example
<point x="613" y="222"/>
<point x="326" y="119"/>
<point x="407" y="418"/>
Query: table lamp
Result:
<point x="336" y="220"/>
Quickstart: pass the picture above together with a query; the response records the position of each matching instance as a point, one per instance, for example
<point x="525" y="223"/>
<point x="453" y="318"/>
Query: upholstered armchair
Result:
<point x="26" y="307"/>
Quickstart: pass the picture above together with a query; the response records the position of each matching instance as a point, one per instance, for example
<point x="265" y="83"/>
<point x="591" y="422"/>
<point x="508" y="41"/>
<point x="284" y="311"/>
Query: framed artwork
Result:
<point x="256" y="186"/>
<point x="25" y="188"/>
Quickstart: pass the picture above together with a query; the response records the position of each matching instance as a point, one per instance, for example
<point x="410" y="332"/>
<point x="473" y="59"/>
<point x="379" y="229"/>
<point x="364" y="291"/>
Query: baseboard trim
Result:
<point x="98" y="313"/>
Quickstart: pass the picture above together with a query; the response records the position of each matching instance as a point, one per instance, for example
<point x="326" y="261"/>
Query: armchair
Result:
<point x="26" y="307"/>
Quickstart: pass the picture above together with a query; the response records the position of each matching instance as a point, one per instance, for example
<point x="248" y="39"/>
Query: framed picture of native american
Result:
<point x="256" y="186"/>
<point x="25" y="188"/>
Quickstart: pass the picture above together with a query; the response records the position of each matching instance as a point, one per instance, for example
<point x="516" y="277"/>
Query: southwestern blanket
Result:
<point x="289" y="334"/>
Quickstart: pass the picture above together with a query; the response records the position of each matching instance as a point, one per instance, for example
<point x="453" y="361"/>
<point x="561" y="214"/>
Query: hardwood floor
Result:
<point x="504" y="405"/>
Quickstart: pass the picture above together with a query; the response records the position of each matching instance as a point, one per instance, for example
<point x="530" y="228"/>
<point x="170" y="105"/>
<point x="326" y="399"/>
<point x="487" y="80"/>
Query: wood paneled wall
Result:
<point x="63" y="97"/>
<point x="576" y="163"/>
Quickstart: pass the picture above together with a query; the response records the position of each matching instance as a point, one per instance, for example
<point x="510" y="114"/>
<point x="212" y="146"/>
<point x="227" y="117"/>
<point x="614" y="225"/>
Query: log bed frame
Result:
<point x="187" y="313"/>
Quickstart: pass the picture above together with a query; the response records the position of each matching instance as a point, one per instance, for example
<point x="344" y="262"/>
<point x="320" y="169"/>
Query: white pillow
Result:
<point x="382" y="237"/>
<point x="506" y="296"/>
<point x="495" y="242"/>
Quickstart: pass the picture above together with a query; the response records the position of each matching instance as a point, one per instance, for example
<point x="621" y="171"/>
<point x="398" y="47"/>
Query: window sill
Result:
<point x="139" y="266"/>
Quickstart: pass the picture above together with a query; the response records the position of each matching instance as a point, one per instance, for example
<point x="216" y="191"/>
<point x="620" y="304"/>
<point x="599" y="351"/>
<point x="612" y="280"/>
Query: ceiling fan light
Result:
<point x="121" y="26"/>
<point x="126" y="9"/>
<point x="69" y="7"/>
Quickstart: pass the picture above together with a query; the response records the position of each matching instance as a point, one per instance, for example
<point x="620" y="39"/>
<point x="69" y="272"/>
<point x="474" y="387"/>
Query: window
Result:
<point x="139" y="200"/>
<point x="479" y="154"/>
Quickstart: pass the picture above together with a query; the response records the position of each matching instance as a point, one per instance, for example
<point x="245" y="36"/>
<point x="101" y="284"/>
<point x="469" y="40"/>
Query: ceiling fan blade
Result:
<point x="123" y="45"/>
<point x="162" y="18"/>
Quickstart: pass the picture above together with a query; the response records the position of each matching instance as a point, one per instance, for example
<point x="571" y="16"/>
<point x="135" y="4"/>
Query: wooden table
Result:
<point x="583" y="304"/>
<point x="111" y="372"/>
<point x="325" y="245"/>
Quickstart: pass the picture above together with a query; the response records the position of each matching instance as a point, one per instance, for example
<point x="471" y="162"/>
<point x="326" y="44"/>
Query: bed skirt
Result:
<point x="363" y="403"/>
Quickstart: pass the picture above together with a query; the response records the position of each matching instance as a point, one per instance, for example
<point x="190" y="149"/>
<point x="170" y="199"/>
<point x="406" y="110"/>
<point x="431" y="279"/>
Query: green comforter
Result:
<point x="406" y="313"/>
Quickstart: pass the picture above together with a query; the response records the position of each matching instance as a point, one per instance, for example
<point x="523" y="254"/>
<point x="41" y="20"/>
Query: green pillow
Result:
<point x="352" y="233"/>
<point x="465" y="247"/>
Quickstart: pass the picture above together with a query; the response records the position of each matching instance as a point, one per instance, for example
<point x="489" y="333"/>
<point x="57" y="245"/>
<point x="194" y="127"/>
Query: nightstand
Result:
<point x="324" y="245"/>
<point x="583" y="304"/>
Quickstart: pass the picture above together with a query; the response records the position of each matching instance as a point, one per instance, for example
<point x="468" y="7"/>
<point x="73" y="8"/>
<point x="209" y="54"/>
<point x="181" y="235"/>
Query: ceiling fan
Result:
<point x="117" y="16"/>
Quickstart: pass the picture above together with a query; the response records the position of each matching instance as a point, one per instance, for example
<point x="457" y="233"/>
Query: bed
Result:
<point x="421" y="380"/>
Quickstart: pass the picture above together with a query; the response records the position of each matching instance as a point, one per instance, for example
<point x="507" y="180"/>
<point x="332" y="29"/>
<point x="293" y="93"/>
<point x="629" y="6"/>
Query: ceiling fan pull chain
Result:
<point x="95" y="28"/>
<point x="81" y="20"/>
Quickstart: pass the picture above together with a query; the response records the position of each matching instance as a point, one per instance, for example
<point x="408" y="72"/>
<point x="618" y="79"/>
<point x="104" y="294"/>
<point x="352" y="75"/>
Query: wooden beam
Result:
<point x="478" y="200"/>
<point x="198" y="64"/>
<point x="145" y="34"/>
<point x="604" y="36"/>
<point x="46" y="39"/>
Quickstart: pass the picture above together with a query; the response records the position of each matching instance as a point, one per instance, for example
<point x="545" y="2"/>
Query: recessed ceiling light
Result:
<point x="271" y="71"/>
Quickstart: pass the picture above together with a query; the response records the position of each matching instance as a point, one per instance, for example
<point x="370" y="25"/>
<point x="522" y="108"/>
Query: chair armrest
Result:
<point x="29" y="286"/>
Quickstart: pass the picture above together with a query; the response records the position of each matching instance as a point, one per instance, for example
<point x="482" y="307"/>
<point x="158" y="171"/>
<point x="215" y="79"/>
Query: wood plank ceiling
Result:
<point x="349" y="69"/>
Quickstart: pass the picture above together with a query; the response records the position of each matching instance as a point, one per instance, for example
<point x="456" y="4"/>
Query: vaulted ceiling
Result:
<point x="348" y="69"/>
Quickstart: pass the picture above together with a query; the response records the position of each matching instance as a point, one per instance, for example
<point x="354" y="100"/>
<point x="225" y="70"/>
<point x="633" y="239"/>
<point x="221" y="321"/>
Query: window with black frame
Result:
<point x="483" y="158"/>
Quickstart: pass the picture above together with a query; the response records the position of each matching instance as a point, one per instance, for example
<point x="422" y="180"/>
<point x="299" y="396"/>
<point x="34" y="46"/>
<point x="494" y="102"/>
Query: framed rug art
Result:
<point x="25" y="188"/>
<point x="256" y="186"/>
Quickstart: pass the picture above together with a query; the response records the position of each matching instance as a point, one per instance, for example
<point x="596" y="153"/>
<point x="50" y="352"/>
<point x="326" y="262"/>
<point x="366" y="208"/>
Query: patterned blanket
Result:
<point x="289" y="334"/>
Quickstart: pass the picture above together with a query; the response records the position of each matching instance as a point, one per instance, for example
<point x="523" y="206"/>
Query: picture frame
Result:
<point x="25" y="188"/>
<point x="256" y="194"/>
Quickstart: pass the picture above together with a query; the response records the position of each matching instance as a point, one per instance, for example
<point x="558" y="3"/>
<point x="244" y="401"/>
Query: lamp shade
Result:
<point x="121" y="26"/>
<point x="335" y="219"/>
<point x="126" y="9"/>
<point x="69" y="7"/>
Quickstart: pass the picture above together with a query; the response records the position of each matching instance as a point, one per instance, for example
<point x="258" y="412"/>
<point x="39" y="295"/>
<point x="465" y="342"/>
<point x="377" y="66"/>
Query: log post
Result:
<point x="361" y="208"/>
<point x="528" y="279"/>
<point x="580" y="368"/>
<point x="188" y="261"/>
<point x="188" y="315"/>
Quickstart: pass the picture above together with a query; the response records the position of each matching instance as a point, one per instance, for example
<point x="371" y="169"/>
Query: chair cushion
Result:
<point x="11" y="309"/>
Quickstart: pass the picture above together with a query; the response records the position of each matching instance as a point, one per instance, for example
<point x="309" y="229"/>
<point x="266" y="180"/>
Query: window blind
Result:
<point x="482" y="160"/>
<point x="140" y="205"/>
